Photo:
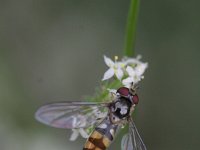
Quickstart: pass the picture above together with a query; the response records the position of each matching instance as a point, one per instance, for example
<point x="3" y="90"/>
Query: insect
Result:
<point x="106" y="118"/>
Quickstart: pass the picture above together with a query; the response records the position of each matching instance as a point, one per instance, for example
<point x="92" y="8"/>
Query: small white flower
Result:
<point x="131" y="67"/>
<point x="76" y="132"/>
<point x="135" y="74"/>
<point x="115" y="68"/>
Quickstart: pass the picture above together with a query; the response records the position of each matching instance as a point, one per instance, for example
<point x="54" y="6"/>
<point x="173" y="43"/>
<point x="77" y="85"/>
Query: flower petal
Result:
<point x="127" y="81"/>
<point x="141" y="68"/>
<point x="130" y="71"/>
<point x="108" y="61"/>
<point x="119" y="73"/>
<point x="108" y="74"/>
<point x="131" y="61"/>
<point x="83" y="133"/>
<point x="74" y="135"/>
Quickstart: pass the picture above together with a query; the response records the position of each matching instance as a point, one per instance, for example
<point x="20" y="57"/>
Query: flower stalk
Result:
<point x="130" y="34"/>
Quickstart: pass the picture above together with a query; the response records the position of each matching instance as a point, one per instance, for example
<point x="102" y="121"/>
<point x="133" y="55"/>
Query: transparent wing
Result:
<point x="132" y="140"/>
<point x="72" y="114"/>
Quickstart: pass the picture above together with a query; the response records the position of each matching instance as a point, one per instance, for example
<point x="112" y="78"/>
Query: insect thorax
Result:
<point x="120" y="110"/>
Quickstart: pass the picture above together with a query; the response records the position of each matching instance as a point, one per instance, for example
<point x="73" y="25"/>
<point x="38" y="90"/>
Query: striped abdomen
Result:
<point x="102" y="136"/>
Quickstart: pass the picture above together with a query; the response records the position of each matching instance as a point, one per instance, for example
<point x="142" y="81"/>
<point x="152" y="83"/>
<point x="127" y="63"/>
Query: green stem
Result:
<point x="130" y="34"/>
<point x="129" y="47"/>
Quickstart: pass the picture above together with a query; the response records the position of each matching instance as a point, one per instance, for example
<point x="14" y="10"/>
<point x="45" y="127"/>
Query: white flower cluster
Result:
<point x="129" y="70"/>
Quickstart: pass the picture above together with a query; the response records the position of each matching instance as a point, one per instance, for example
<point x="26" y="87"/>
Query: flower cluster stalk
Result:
<point x="130" y="34"/>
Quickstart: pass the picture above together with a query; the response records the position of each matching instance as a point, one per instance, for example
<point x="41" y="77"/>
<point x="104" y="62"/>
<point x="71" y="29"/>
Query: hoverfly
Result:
<point x="106" y="118"/>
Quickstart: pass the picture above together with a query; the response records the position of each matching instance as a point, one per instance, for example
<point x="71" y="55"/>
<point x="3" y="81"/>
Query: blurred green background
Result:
<point x="54" y="49"/>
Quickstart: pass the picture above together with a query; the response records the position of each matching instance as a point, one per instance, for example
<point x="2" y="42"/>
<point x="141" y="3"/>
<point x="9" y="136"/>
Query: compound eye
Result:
<point x="135" y="99"/>
<point x="123" y="91"/>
